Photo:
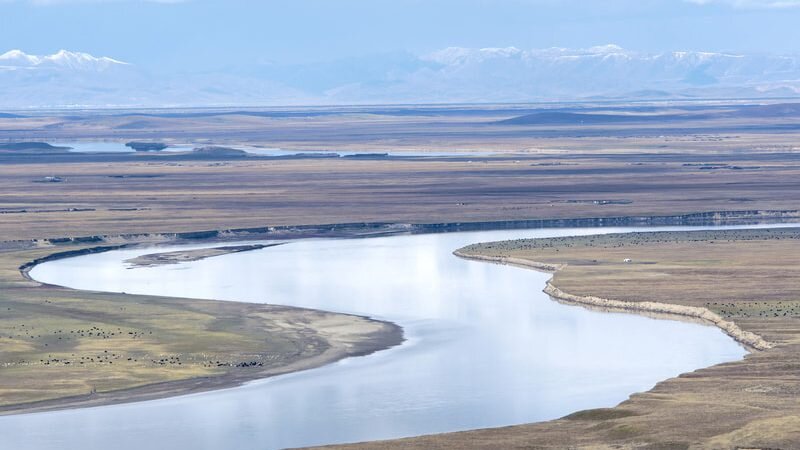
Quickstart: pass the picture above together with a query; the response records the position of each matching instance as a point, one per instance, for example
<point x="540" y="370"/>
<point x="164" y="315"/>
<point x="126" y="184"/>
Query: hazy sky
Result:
<point x="204" y="34"/>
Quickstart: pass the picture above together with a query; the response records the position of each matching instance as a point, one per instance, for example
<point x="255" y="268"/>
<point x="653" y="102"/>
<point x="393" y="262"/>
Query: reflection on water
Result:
<point x="111" y="147"/>
<point x="485" y="348"/>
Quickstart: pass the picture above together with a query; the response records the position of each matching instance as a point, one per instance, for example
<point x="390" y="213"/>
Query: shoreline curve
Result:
<point x="387" y="335"/>
<point x="749" y="340"/>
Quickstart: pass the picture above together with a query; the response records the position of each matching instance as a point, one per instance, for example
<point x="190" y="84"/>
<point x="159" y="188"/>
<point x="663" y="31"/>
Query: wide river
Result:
<point x="485" y="347"/>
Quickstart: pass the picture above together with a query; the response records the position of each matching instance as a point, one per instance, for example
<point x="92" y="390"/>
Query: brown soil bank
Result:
<point x="747" y="277"/>
<point x="63" y="348"/>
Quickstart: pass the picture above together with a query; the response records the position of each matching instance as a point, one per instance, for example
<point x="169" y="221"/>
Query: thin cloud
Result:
<point x="750" y="4"/>
<point x="70" y="2"/>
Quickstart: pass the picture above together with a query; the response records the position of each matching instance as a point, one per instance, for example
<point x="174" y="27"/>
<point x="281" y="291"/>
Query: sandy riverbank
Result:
<point x="64" y="348"/>
<point x="345" y="336"/>
<point x="750" y="340"/>
<point x="181" y="256"/>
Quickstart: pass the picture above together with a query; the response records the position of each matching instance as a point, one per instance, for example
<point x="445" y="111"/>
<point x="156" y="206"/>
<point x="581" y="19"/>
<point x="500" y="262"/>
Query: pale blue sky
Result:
<point x="209" y="34"/>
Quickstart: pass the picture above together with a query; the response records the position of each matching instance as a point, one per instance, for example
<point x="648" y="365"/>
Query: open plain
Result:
<point x="515" y="166"/>
<point x="669" y="161"/>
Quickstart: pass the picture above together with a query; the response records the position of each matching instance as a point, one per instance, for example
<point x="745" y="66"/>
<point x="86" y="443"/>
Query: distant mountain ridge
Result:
<point x="63" y="59"/>
<point x="613" y="71"/>
<point x="450" y="75"/>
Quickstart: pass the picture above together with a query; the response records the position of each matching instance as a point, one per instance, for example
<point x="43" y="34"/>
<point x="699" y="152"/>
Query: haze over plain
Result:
<point x="201" y="52"/>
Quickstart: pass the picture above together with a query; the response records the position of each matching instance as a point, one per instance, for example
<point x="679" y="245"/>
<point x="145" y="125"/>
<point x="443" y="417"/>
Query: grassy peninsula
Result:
<point x="748" y="277"/>
<point x="65" y="348"/>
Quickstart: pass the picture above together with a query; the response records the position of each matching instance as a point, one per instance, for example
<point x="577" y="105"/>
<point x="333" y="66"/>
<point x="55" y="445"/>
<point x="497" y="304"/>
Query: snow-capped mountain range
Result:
<point x="63" y="59"/>
<point x="449" y="75"/>
<point x="613" y="71"/>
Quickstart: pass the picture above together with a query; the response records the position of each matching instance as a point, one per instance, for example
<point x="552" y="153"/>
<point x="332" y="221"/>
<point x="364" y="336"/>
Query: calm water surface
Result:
<point x="111" y="147"/>
<point x="485" y="348"/>
<point x="119" y="147"/>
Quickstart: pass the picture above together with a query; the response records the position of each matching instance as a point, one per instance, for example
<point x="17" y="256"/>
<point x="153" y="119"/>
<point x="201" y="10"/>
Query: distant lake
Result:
<point x="485" y="348"/>
<point x="119" y="147"/>
<point x="110" y="147"/>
